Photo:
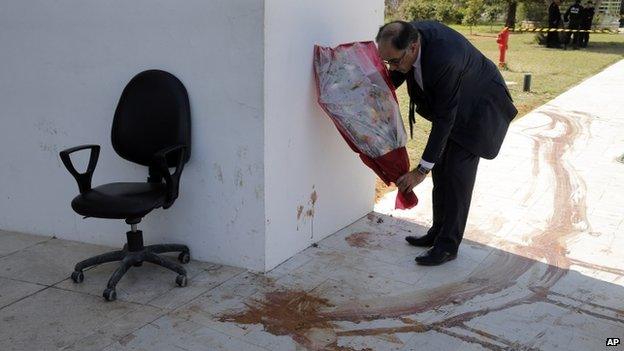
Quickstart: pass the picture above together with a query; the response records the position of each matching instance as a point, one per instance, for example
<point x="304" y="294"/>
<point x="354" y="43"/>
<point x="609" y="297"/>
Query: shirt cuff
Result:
<point x="427" y="165"/>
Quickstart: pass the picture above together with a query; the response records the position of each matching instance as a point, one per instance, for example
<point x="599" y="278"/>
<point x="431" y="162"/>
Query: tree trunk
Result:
<point x="511" y="14"/>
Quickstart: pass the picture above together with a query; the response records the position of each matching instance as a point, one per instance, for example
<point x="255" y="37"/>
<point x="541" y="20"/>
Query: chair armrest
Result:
<point x="172" y="181"/>
<point x="83" y="179"/>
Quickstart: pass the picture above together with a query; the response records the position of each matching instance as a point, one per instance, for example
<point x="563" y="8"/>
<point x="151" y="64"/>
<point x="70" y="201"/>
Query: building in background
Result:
<point x="608" y="13"/>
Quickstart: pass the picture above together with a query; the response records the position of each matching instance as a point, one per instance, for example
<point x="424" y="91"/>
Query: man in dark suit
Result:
<point x="462" y="93"/>
<point x="554" y="21"/>
<point x="587" y="17"/>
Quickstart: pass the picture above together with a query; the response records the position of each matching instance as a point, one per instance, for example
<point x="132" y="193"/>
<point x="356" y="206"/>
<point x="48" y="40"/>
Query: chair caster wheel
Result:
<point x="110" y="294"/>
<point x="77" y="277"/>
<point x="184" y="257"/>
<point x="181" y="281"/>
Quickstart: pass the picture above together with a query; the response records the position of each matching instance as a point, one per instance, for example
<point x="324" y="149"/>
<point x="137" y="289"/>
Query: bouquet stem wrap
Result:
<point x="355" y="91"/>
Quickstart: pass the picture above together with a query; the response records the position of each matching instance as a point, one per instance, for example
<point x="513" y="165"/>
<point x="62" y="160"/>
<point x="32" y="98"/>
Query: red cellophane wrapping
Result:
<point x="354" y="89"/>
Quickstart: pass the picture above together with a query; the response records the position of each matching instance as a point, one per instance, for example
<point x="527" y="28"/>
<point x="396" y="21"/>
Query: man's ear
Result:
<point x="414" y="46"/>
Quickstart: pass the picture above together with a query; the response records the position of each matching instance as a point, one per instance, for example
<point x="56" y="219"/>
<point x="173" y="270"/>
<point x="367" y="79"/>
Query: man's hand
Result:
<point x="409" y="180"/>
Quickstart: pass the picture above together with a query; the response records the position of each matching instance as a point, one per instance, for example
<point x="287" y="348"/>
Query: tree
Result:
<point x="447" y="11"/>
<point x="392" y="8"/>
<point x="511" y="14"/>
<point x="493" y="10"/>
<point x="473" y="12"/>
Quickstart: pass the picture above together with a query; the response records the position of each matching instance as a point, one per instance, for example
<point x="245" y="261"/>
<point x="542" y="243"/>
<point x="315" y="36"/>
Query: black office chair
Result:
<point x="151" y="127"/>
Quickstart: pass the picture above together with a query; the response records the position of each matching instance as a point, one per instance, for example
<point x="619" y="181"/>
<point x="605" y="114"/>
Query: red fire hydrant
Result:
<point x="502" y="40"/>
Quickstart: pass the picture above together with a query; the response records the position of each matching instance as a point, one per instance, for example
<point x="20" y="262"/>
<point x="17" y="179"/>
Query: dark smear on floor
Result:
<point x="361" y="239"/>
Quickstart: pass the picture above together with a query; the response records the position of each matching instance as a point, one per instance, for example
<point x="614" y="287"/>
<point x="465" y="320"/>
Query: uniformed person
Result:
<point x="573" y="15"/>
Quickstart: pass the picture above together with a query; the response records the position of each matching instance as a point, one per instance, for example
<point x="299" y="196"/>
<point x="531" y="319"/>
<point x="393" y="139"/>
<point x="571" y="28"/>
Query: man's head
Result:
<point x="577" y="2"/>
<point x="557" y="2"/>
<point x="589" y="4"/>
<point x="398" y="43"/>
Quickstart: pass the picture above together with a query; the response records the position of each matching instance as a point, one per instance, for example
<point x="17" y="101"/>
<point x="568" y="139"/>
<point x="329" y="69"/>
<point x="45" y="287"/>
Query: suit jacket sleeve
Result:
<point x="554" y="16"/>
<point x="445" y="91"/>
<point x="397" y="78"/>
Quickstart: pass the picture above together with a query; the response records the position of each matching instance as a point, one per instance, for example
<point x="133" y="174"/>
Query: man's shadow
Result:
<point x="515" y="296"/>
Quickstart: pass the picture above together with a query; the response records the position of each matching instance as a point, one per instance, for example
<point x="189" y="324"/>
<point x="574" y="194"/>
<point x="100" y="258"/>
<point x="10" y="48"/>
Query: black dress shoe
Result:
<point x="435" y="257"/>
<point x="425" y="241"/>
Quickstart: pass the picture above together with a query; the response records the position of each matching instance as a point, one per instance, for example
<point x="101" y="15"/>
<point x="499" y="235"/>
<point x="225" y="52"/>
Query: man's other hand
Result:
<point x="409" y="180"/>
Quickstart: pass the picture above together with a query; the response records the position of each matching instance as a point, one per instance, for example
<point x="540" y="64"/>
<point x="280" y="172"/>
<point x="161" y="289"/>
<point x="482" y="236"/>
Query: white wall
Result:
<point x="303" y="150"/>
<point x="63" y="65"/>
<point x="261" y="145"/>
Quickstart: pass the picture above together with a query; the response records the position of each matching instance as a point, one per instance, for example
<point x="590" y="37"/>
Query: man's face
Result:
<point x="398" y="60"/>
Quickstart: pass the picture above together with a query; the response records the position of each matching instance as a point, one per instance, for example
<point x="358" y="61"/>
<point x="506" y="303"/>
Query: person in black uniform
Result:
<point x="464" y="96"/>
<point x="554" y="21"/>
<point x="573" y="15"/>
<point x="587" y="17"/>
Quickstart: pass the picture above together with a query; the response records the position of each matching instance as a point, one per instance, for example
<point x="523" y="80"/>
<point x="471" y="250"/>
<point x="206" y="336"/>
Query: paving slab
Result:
<point x="11" y="242"/>
<point x="47" y="262"/>
<point x="53" y="319"/>
<point x="170" y="333"/>
<point x="153" y="284"/>
<point x="14" y="290"/>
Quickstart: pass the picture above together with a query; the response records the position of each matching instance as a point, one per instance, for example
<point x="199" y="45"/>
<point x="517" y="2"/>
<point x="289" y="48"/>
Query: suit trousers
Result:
<point x="453" y="181"/>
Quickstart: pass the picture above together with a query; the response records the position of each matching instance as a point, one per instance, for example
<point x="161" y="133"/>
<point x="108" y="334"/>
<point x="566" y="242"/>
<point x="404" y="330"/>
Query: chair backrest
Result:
<point x="153" y="113"/>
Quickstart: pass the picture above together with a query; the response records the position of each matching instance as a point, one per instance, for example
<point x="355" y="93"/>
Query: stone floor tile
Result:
<point x="342" y="265"/>
<point x="149" y="282"/>
<point x="12" y="241"/>
<point x="209" y="277"/>
<point x="53" y="319"/>
<point x="14" y="290"/>
<point x="208" y="310"/>
<point x="110" y="332"/>
<point x="171" y="333"/>
<point x="48" y="262"/>
<point x="434" y="340"/>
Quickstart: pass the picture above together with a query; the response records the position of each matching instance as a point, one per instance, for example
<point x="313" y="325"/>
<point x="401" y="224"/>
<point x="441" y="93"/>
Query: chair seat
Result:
<point x="120" y="200"/>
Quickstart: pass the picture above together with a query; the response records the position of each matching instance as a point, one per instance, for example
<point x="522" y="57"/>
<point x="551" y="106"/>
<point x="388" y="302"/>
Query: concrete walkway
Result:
<point x="539" y="268"/>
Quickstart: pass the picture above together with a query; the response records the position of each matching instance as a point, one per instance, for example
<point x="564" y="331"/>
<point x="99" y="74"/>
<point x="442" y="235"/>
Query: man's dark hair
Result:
<point x="400" y="38"/>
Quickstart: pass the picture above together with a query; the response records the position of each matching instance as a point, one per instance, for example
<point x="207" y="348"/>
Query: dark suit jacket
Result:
<point x="465" y="96"/>
<point x="587" y="17"/>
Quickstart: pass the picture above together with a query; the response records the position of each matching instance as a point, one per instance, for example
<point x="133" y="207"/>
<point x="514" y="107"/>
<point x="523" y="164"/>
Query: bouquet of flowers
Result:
<point x="355" y="91"/>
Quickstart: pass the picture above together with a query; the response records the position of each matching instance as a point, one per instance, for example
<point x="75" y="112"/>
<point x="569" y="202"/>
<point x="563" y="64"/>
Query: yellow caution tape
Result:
<point x="605" y="31"/>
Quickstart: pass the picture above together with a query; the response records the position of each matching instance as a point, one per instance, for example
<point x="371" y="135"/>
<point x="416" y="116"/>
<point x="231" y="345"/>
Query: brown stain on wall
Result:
<point x="299" y="212"/>
<point x="312" y="202"/>
<point x="311" y="321"/>
<point x="309" y="213"/>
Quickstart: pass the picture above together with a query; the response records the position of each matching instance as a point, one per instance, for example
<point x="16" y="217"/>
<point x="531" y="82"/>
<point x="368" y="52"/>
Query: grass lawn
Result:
<point x="553" y="72"/>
